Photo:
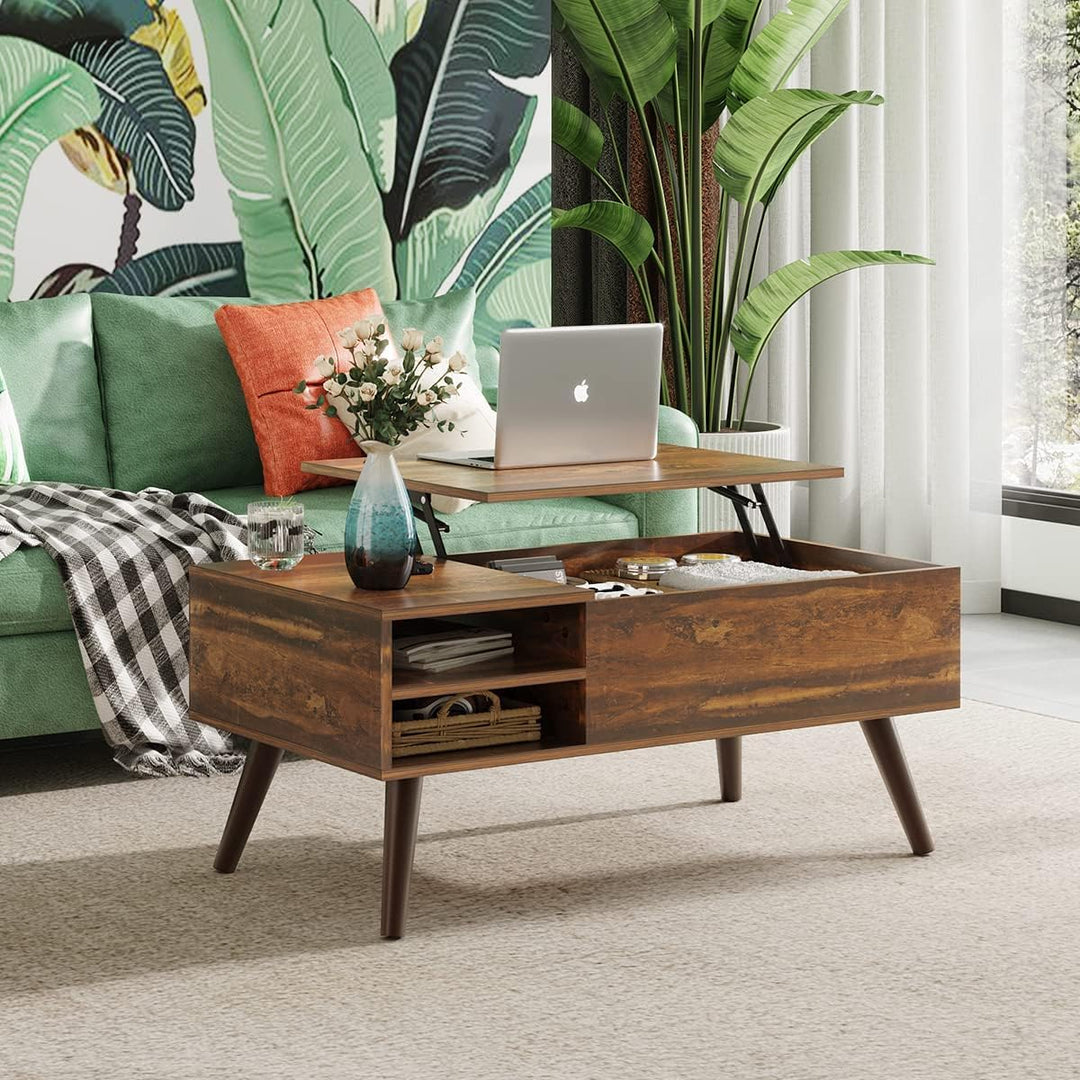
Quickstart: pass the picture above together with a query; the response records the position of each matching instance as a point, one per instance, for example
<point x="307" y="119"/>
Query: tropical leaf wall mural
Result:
<point x="278" y="149"/>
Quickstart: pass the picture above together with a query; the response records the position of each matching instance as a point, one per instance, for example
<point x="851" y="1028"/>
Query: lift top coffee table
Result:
<point x="302" y="661"/>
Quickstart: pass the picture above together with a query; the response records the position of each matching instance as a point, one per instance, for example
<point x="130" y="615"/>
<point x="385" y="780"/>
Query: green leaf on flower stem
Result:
<point x="331" y="411"/>
<point x="300" y="387"/>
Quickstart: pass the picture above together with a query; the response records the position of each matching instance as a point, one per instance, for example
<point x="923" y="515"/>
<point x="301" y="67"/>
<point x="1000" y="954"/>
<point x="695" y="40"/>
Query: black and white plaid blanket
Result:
<point x="124" y="560"/>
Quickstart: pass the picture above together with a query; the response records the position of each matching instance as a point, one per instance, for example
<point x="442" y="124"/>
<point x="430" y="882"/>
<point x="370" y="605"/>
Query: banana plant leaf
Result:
<point x="59" y="23"/>
<point x="522" y="299"/>
<point x="725" y="41"/>
<point x="426" y="258"/>
<point x="617" y="223"/>
<point x="168" y="37"/>
<point x="305" y="199"/>
<point x="69" y="279"/>
<point x="601" y="85"/>
<point x="394" y="22"/>
<point x="502" y="267"/>
<point x="778" y="49"/>
<point x="576" y="133"/>
<point x="770" y="300"/>
<point x="682" y="11"/>
<point x="365" y="81"/>
<point x="642" y="30"/>
<point x="808" y="136"/>
<point x="461" y="129"/>
<point x="143" y="118"/>
<point x="756" y="144"/>
<point x="457" y="118"/>
<point x="181" y="270"/>
<point x="42" y="96"/>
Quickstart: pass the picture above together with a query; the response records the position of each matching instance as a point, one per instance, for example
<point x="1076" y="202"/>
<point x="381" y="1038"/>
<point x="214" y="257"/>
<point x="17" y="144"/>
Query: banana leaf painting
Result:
<point x="278" y="150"/>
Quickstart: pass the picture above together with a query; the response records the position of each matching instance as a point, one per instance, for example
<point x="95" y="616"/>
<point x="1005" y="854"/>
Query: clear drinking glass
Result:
<point x="275" y="534"/>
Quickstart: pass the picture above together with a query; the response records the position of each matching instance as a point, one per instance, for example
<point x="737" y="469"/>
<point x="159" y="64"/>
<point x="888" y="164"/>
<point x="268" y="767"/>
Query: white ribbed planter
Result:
<point x="763" y="440"/>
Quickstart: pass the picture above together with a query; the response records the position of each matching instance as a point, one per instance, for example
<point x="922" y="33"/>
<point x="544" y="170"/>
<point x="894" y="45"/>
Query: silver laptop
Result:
<point x="574" y="395"/>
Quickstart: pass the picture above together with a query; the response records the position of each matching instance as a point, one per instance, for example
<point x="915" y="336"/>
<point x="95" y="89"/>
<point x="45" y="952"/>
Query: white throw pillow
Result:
<point x="474" y="431"/>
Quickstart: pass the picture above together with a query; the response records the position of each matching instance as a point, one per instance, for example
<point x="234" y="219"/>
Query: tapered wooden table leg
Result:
<point x="729" y="758"/>
<point x="399" y="842"/>
<point x="262" y="762"/>
<point x="891" y="763"/>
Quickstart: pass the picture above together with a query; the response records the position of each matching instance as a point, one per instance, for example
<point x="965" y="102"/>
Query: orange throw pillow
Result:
<point x="273" y="347"/>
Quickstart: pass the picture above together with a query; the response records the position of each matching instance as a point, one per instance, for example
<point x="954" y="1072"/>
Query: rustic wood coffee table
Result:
<point x="302" y="661"/>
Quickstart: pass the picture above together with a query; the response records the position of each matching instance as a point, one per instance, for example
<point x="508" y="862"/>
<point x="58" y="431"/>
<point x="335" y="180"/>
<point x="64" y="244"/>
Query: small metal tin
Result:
<point x="644" y="567"/>
<point x="699" y="557"/>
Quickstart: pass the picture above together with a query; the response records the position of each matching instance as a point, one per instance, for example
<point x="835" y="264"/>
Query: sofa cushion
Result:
<point x="534" y="524"/>
<point x="47" y="352"/>
<point x="174" y="408"/>
<point x="32" y="598"/>
<point x="483" y="527"/>
<point x="274" y="348"/>
<point x="43" y="687"/>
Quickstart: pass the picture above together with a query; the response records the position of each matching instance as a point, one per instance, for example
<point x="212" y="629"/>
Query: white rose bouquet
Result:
<point x="380" y="398"/>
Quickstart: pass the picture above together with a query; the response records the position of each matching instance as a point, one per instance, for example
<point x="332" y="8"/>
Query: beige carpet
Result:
<point x="597" y="918"/>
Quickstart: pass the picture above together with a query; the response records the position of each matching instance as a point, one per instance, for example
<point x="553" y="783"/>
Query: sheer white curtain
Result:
<point x="897" y="374"/>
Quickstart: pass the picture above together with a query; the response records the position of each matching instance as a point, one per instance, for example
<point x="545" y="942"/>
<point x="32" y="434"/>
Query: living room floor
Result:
<point x="587" y="918"/>
<point x="1023" y="663"/>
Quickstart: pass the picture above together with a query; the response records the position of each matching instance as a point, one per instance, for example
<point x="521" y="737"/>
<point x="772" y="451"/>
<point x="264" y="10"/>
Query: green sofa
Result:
<point x="134" y="392"/>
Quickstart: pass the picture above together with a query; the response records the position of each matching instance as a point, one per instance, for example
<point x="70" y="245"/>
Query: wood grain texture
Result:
<point x="289" y="670"/>
<point x="885" y="643"/>
<point x="455" y="588"/>
<point x="675" y="467"/>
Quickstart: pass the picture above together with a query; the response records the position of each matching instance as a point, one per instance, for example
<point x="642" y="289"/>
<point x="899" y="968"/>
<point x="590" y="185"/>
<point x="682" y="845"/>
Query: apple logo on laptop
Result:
<point x="581" y="391"/>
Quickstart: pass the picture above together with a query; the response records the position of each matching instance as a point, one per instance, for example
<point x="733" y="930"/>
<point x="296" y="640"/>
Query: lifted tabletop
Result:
<point x="674" y="467"/>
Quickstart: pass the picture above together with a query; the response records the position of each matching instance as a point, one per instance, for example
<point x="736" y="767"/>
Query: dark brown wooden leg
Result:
<point x="262" y="762"/>
<point x="729" y="758"/>
<point x="891" y="763"/>
<point x="399" y="841"/>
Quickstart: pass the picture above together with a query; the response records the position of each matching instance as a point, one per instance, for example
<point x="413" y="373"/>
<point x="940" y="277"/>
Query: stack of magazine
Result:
<point x="445" y="650"/>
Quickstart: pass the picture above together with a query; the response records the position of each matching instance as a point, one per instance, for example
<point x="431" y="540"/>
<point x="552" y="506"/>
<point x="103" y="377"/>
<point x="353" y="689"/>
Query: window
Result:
<point x="1042" y="423"/>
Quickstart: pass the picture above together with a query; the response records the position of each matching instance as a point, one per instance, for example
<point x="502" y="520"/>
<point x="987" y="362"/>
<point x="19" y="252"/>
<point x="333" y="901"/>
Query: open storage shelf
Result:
<point x="494" y="675"/>
<point x="562" y="723"/>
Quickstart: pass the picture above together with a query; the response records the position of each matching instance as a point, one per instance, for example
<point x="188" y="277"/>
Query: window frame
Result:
<point x="1040" y="504"/>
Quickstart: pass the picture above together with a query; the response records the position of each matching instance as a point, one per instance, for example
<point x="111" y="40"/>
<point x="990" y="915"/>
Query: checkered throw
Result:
<point x="124" y="560"/>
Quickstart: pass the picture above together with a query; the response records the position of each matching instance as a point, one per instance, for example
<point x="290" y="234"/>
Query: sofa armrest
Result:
<point x="665" y="513"/>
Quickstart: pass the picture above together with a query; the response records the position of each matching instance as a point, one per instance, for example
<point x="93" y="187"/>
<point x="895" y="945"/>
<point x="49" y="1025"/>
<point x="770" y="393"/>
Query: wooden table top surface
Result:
<point x="454" y="588"/>
<point x="673" y="468"/>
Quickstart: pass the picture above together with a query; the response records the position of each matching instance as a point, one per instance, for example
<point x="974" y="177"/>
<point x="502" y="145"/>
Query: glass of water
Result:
<point x="275" y="534"/>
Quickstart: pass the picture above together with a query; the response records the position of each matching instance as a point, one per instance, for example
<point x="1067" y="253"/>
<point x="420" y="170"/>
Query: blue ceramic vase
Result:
<point x="380" y="533"/>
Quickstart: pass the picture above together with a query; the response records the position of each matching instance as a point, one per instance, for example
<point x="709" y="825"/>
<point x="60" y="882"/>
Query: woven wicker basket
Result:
<point x="443" y="732"/>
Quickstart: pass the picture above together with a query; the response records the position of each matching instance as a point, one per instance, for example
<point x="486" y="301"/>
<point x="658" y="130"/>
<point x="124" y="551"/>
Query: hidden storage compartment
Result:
<point x="716" y="661"/>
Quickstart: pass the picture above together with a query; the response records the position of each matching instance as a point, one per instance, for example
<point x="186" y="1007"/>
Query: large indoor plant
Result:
<point x="682" y="67"/>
